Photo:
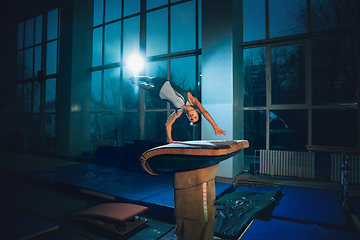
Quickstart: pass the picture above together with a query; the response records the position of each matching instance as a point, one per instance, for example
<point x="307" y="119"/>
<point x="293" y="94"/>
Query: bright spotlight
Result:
<point x="136" y="63"/>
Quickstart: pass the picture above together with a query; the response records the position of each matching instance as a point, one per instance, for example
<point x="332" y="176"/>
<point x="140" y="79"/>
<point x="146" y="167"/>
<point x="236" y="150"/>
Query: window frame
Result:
<point x="44" y="141"/>
<point x="142" y="110"/>
<point x="307" y="39"/>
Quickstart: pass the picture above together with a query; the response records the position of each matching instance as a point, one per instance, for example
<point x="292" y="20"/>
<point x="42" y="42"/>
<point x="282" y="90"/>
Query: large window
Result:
<point x="300" y="74"/>
<point x="37" y="69"/>
<point x="154" y="30"/>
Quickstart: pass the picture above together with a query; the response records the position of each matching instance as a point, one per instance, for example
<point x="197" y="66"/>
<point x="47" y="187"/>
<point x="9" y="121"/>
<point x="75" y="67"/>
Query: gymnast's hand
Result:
<point x="220" y="132"/>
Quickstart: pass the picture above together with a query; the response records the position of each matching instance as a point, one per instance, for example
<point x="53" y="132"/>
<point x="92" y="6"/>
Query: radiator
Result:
<point x="287" y="163"/>
<point x="353" y="169"/>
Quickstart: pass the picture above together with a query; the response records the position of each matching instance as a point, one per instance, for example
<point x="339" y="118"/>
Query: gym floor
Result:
<point x="54" y="205"/>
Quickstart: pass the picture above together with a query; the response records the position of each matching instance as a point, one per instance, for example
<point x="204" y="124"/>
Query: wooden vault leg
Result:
<point x="194" y="206"/>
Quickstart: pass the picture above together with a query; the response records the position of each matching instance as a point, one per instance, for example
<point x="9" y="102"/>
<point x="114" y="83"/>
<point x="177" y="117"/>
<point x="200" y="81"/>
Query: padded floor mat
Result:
<point x="311" y="206"/>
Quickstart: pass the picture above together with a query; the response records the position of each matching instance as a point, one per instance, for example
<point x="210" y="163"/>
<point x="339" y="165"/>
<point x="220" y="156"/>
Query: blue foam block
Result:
<point x="116" y="182"/>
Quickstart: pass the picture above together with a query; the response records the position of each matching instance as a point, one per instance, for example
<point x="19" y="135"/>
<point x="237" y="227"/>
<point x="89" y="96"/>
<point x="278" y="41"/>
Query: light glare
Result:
<point x="135" y="63"/>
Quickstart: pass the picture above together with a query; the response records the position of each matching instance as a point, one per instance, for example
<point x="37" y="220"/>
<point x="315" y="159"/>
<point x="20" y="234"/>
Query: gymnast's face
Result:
<point x="192" y="115"/>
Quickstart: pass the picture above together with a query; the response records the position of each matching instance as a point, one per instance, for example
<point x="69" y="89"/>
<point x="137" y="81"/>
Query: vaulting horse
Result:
<point x="195" y="164"/>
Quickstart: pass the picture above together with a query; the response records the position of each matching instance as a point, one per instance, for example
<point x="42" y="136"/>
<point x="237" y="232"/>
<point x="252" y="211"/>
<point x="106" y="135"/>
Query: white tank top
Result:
<point x="168" y="93"/>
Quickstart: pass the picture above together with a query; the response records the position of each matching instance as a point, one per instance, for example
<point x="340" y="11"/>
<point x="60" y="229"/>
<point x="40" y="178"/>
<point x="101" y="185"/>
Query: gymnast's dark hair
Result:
<point x="197" y="123"/>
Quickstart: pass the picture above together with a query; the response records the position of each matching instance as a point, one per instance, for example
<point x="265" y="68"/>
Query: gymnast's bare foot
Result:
<point x="141" y="83"/>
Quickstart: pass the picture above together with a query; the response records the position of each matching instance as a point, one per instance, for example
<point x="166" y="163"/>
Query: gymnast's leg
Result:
<point x="143" y="82"/>
<point x="152" y="84"/>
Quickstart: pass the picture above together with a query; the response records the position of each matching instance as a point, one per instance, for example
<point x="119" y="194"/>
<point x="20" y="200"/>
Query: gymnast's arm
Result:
<point x="175" y="115"/>
<point x="207" y="115"/>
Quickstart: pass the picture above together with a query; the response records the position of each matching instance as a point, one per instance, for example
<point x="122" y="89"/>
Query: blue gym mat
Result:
<point x="116" y="182"/>
<point x="120" y="183"/>
<point x="115" y="174"/>
<point x="15" y="225"/>
<point x="311" y="206"/>
<point x="278" y="229"/>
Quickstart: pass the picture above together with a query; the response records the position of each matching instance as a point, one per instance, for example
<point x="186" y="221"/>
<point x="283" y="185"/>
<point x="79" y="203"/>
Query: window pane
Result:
<point x="38" y="29"/>
<point x="50" y="125"/>
<point x="19" y="98"/>
<point x="130" y="127"/>
<point x="129" y="92"/>
<point x="112" y="10"/>
<point x="155" y="126"/>
<point x="112" y="43"/>
<point x="37" y="63"/>
<point x="51" y="58"/>
<point x="255" y="130"/>
<point x="27" y="97"/>
<point x="288" y="74"/>
<point x="36" y="103"/>
<point x="36" y="125"/>
<point x="29" y="33"/>
<point x="334" y="73"/>
<point x="288" y="129"/>
<point x="183" y="73"/>
<point x="131" y="7"/>
<point x="287" y="17"/>
<point x="111" y="92"/>
<point x="50" y="95"/>
<point x="20" y="65"/>
<point x="20" y="35"/>
<point x="328" y="14"/>
<point x="156" y="69"/>
<point x="335" y="127"/>
<point x="52" y="27"/>
<point x="95" y="130"/>
<point x="183" y="27"/>
<point x="254" y="20"/>
<point x="131" y="37"/>
<point x="97" y="46"/>
<point x="110" y="127"/>
<point x="96" y="91"/>
<point x="255" y="77"/>
<point x="157" y="32"/>
<point x="155" y="3"/>
<point x="28" y="64"/>
<point x="98" y="12"/>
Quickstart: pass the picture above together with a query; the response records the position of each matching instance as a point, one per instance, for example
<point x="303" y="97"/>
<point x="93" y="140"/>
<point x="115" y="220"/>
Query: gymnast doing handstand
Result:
<point x="182" y="100"/>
